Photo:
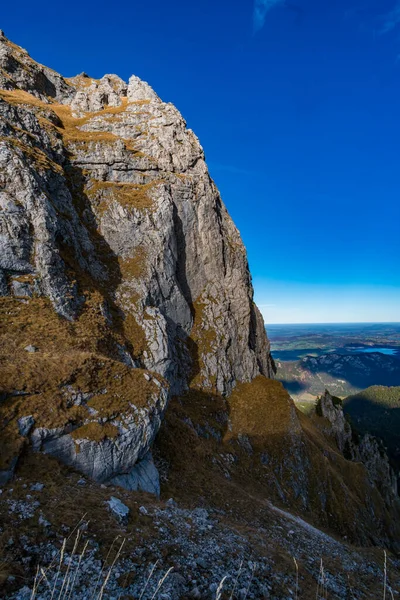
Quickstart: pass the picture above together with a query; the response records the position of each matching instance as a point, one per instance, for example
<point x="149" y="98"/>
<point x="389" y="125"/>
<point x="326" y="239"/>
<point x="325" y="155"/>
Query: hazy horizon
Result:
<point x="337" y="323"/>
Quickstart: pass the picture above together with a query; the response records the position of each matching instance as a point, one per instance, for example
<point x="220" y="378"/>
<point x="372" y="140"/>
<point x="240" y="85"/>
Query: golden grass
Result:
<point x="81" y="82"/>
<point x="18" y="97"/>
<point x="200" y="333"/>
<point x="134" y="267"/>
<point x="128" y="195"/>
<point x="203" y="339"/>
<point x="259" y="409"/>
<point x="64" y="503"/>
<point x="40" y="159"/>
<point x="70" y="124"/>
<point x="42" y="379"/>
<point x="140" y="102"/>
<point x="95" y="432"/>
<point x="78" y="353"/>
<point x="135" y="334"/>
<point x="71" y="131"/>
<point x="28" y="64"/>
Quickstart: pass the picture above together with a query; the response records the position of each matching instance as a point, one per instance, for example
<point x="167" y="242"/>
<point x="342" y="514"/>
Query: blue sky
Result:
<point x="296" y="103"/>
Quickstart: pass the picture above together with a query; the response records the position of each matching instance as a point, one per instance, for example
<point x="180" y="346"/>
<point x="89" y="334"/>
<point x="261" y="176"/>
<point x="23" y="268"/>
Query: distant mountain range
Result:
<point x="341" y="374"/>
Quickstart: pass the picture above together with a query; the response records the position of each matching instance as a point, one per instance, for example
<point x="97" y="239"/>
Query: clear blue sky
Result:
<point x="296" y="103"/>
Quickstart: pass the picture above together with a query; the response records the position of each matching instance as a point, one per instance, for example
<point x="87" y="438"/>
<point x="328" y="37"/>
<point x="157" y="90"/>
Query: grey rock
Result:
<point x="24" y="593"/>
<point x="37" y="487"/>
<point x="200" y="514"/>
<point x="140" y="90"/>
<point x="94" y="96"/>
<point x="143" y="510"/>
<point x="203" y="261"/>
<point x="332" y="410"/>
<point x="202" y="563"/>
<point x="43" y="522"/>
<point x="4" y="291"/>
<point x="104" y="460"/>
<point x="25" y="424"/>
<point x="19" y="71"/>
<point x="119" y="509"/>
<point x="30" y="349"/>
<point x="7" y="474"/>
<point x="21" y="289"/>
<point x="371" y="452"/>
<point x="213" y="587"/>
<point x="143" y="477"/>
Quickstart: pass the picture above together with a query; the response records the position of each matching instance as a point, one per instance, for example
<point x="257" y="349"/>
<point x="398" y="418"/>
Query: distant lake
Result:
<point x="333" y="330"/>
<point x="297" y="354"/>
<point x="294" y="342"/>
<point x="390" y="351"/>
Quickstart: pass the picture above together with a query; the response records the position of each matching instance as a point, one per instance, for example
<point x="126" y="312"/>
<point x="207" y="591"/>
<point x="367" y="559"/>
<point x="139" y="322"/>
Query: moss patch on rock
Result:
<point x="95" y="432"/>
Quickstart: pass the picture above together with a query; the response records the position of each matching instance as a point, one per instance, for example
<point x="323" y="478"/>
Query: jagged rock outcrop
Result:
<point x="331" y="409"/>
<point x="366" y="449"/>
<point x="371" y="452"/>
<point x="19" y="71"/>
<point x="109" y="218"/>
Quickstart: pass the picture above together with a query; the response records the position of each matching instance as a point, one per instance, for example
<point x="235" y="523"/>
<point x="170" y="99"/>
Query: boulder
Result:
<point x="118" y="509"/>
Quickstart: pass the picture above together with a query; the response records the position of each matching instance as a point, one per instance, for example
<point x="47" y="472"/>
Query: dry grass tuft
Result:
<point x="136" y="266"/>
<point x="128" y="195"/>
<point x="260" y="409"/>
<point x="95" y="432"/>
<point x="18" y="97"/>
<point x="40" y="159"/>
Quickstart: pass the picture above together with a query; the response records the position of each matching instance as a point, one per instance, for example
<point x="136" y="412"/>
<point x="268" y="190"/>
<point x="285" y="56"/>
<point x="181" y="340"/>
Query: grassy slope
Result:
<point x="256" y="445"/>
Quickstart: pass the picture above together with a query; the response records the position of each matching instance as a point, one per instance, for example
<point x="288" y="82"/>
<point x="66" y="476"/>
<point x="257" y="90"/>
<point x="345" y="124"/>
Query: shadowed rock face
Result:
<point x="367" y="449"/>
<point x="331" y="409"/>
<point x="108" y="213"/>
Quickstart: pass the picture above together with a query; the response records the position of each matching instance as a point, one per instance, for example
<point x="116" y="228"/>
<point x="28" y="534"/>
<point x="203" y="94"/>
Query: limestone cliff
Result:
<point x="117" y="259"/>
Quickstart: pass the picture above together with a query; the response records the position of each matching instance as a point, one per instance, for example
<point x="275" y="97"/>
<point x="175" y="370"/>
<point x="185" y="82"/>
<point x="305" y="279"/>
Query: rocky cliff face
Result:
<point x="366" y="449"/>
<point x="117" y="253"/>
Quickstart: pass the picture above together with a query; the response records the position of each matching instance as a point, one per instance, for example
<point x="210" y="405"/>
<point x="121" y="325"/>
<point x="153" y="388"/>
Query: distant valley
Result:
<point x="346" y="358"/>
<point x="358" y="363"/>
